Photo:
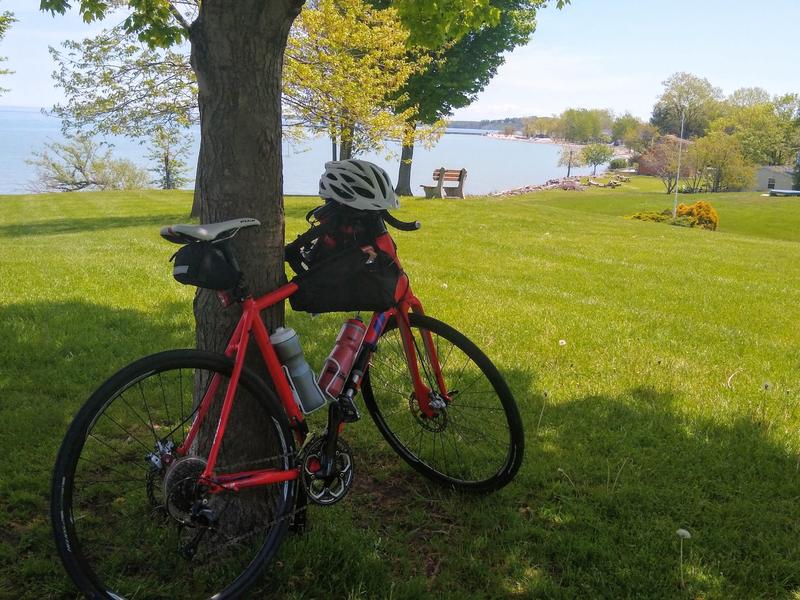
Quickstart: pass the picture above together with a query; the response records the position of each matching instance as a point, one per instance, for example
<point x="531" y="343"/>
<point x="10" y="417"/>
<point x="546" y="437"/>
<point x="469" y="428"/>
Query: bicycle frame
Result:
<point x="250" y="324"/>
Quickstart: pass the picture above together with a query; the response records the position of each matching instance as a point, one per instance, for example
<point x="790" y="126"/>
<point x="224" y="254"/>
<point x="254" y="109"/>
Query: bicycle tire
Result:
<point x="122" y="557"/>
<point x="395" y="410"/>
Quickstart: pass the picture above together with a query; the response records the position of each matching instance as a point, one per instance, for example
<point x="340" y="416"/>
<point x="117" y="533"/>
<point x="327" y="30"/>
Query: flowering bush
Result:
<point x="702" y="213"/>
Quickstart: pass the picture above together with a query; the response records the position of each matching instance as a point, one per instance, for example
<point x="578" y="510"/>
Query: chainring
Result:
<point x="325" y="492"/>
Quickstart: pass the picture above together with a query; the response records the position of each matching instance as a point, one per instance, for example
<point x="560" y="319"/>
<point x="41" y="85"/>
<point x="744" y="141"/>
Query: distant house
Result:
<point x="779" y="178"/>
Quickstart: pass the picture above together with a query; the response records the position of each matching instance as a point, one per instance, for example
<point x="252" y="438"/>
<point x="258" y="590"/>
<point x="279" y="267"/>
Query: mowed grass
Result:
<point x="673" y="403"/>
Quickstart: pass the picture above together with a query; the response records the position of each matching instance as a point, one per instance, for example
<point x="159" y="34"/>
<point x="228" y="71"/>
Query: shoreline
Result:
<point x="619" y="151"/>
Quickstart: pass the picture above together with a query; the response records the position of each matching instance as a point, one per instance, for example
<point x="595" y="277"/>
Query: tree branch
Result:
<point x="178" y="16"/>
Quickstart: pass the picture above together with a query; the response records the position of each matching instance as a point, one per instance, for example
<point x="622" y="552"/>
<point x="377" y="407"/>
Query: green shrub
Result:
<point x="683" y="221"/>
<point x="618" y="163"/>
<point x="655" y="217"/>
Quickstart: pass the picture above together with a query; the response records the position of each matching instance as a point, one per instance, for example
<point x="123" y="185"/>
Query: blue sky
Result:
<point x="594" y="53"/>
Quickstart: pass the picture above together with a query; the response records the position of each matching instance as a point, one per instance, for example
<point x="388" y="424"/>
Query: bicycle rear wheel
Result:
<point x="475" y="442"/>
<point x="130" y="516"/>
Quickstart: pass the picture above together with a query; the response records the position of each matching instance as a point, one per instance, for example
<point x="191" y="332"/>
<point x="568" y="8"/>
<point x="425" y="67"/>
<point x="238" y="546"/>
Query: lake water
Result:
<point x="492" y="164"/>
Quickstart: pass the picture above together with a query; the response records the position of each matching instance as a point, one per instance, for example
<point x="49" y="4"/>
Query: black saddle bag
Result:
<point x="204" y="265"/>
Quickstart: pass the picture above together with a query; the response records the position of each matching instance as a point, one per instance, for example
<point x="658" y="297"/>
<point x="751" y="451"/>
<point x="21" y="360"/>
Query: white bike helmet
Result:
<point x="358" y="184"/>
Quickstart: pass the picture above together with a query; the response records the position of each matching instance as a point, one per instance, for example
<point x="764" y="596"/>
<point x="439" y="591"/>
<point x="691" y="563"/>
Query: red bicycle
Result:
<point x="154" y="494"/>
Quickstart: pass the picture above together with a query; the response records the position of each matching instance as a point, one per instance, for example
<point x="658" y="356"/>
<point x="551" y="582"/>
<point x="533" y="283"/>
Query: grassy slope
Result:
<point x="631" y="431"/>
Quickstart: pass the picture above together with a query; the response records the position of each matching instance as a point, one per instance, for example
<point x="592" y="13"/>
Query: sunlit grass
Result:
<point x="672" y="404"/>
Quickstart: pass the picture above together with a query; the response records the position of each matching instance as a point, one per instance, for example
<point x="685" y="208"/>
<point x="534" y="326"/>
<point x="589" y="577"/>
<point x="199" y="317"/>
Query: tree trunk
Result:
<point x="237" y="56"/>
<point x="196" y="199"/>
<point x="346" y="148"/>
<point x="406" y="159"/>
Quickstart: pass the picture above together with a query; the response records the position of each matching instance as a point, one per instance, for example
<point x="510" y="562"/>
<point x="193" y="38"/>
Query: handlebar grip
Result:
<point x="401" y="225"/>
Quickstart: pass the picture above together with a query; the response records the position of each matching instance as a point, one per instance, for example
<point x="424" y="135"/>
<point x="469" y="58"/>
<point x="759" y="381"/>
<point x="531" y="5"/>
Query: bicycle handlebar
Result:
<point x="398" y="224"/>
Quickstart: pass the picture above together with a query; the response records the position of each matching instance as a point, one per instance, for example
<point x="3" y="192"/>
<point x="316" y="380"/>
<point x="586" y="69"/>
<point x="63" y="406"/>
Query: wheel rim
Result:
<point x="467" y="443"/>
<point x="134" y="535"/>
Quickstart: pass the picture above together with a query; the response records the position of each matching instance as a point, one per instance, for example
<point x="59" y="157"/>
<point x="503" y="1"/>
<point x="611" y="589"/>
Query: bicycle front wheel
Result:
<point x="475" y="442"/>
<point x="133" y="519"/>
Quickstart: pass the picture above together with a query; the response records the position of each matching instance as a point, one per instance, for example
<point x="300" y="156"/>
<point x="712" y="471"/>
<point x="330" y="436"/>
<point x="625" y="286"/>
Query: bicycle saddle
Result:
<point x="210" y="232"/>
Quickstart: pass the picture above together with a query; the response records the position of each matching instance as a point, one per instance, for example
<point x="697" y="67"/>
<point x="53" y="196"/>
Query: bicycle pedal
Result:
<point x="348" y="410"/>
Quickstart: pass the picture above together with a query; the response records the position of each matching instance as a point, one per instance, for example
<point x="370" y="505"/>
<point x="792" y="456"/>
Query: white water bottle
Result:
<point x="287" y="347"/>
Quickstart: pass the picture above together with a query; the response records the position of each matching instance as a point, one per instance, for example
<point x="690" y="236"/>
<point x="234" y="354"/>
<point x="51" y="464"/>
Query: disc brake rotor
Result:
<point x="437" y="423"/>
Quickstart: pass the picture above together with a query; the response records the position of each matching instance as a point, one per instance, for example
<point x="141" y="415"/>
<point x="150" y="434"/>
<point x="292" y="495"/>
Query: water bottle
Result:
<point x="287" y="346"/>
<point x="337" y="366"/>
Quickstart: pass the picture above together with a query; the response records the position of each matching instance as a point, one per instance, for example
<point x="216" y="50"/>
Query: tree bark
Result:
<point x="196" y="199"/>
<point x="403" y="187"/>
<point x="237" y="56"/>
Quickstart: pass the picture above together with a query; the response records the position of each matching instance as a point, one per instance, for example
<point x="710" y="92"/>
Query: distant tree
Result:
<point x="719" y="159"/>
<point x="748" y="96"/>
<point x="6" y="19"/>
<point x="767" y="131"/>
<point x="81" y="164"/>
<point x="541" y="126"/>
<point x="695" y="96"/>
<point x="625" y="126"/>
<point x="596" y="154"/>
<point x="509" y="130"/>
<point x="168" y="151"/>
<point x="661" y="161"/>
<point x="581" y="125"/>
<point x="633" y="133"/>
<point x="571" y="156"/>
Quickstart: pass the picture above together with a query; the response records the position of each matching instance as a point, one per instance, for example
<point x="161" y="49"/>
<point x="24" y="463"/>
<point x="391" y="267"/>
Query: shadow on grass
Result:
<point x="606" y="482"/>
<point x="53" y="356"/>
<point x="89" y="224"/>
<point x="594" y="511"/>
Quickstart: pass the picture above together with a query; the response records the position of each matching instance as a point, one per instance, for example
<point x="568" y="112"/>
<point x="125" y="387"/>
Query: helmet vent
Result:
<point x="364" y="192"/>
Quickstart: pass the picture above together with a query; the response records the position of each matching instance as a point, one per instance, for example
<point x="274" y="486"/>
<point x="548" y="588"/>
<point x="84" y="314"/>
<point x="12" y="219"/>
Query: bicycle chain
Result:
<point x="250" y="464"/>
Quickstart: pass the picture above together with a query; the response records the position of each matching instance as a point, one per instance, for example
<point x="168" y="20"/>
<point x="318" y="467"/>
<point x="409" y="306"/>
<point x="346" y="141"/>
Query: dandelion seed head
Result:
<point x="683" y="534"/>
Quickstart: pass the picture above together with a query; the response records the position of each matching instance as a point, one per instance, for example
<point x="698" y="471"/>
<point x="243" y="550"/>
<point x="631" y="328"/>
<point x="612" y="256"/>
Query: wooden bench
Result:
<point x="450" y="191"/>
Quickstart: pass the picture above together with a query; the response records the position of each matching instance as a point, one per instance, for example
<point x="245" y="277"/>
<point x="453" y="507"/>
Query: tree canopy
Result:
<point x="346" y="63"/>
<point x="719" y="162"/>
<point x="695" y="97"/>
<point x="595" y="155"/>
<point x="115" y="84"/>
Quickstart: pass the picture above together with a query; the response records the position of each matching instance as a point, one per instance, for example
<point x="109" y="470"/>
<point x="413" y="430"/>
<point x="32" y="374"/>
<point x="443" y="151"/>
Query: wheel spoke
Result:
<point x="127" y="495"/>
<point x="467" y="444"/>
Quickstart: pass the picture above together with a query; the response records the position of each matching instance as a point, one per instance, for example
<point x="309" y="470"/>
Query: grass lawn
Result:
<point x="675" y="402"/>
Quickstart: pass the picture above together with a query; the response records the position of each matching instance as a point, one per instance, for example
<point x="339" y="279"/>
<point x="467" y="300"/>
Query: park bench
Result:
<point x="451" y="191"/>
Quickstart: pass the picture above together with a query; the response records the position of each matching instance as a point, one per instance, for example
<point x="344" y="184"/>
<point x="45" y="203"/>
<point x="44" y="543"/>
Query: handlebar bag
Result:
<point x="347" y="280"/>
<point x="204" y="265"/>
